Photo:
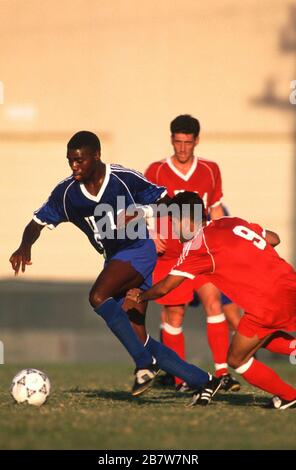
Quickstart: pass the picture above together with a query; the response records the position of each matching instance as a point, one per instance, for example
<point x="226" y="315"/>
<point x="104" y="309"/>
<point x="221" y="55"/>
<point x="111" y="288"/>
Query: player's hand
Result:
<point x="20" y="258"/>
<point x="134" y="295"/>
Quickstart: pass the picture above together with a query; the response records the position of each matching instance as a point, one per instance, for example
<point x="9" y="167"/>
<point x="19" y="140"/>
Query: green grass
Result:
<point x="90" y="408"/>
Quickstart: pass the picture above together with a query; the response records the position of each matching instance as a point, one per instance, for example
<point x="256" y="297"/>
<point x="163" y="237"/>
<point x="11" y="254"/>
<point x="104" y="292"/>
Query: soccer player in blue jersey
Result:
<point x="94" y="198"/>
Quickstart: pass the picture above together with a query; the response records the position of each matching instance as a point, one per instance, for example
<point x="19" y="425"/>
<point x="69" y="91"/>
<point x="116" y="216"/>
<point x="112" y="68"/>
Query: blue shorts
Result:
<point x="225" y="300"/>
<point x="142" y="256"/>
<point x="195" y="301"/>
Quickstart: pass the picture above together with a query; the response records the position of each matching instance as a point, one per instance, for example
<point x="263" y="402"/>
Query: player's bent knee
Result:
<point x="175" y="316"/>
<point x="96" y="298"/>
<point x="175" y="321"/>
<point x="213" y="307"/>
<point x="234" y="361"/>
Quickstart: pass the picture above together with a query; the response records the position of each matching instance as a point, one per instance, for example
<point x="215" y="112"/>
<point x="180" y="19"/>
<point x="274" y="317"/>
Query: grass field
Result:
<point x="90" y="408"/>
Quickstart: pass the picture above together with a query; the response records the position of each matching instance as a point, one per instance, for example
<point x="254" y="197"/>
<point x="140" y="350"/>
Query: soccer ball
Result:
<point x="30" y="386"/>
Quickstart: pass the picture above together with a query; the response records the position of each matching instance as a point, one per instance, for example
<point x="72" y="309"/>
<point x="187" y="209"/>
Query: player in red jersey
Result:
<point x="186" y="172"/>
<point x="239" y="258"/>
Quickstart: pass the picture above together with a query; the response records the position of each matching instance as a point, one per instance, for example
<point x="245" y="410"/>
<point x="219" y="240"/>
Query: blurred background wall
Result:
<point x="125" y="69"/>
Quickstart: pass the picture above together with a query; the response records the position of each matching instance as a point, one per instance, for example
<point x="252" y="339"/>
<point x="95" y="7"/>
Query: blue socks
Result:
<point x="118" y="322"/>
<point x="170" y="362"/>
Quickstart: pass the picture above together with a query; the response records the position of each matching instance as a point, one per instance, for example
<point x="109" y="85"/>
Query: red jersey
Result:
<point x="237" y="259"/>
<point x="203" y="178"/>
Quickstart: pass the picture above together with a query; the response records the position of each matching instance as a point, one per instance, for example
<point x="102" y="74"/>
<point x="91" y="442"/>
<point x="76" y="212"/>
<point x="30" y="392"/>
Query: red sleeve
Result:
<point x="193" y="263"/>
<point x="217" y="193"/>
<point x="151" y="172"/>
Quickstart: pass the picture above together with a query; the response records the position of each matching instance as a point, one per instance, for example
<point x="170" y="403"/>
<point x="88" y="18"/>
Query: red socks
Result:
<point x="218" y="339"/>
<point x="173" y="338"/>
<point x="264" y="377"/>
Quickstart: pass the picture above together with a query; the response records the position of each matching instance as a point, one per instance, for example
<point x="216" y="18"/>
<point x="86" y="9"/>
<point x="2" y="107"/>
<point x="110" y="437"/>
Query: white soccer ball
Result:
<point x="30" y="386"/>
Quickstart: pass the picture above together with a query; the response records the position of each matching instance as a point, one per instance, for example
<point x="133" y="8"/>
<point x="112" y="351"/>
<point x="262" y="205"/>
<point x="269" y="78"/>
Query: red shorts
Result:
<point x="248" y="327"/>
<point x="280" y="316"/>
<point x="183" y="294"/>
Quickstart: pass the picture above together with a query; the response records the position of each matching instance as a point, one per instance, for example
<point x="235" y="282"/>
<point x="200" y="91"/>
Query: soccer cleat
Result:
<point x="144" y="378"/>
<point x="278" y="403"/>
<point x="210" y="390"/>
<point x="204" y="396"/>
<point x="195" y="400"/>
<point x="229" y="383"/>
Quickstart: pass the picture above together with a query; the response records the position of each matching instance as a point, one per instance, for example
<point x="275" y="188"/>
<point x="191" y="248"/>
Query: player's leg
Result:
<point x="167" y="380"/>
<point x="231" y="311"/>
<point x="233" y="315"/>
<point x="115" y="279"/>
<point x="217" y="332"/>
<point x="163" y="320"/>
<point x="173" y="308"/>
<point x="241" y="358"/>
<point x="205" y="384"/>
<point x="161" y="270"/>
<point x="172" y="331"/>
<point x="217" y="327"/>
<point x="136" y="313"/>
<point x="167" y="359"/>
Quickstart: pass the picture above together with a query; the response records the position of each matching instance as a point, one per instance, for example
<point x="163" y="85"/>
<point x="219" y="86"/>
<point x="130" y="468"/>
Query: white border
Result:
<point x="175" y="272"/>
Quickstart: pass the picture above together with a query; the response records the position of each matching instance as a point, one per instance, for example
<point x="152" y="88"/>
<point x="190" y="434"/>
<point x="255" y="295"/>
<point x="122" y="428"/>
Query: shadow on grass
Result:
<point x="168" y="397"/>
<point x="241" y="399"/>
<point x="120" y="395"/>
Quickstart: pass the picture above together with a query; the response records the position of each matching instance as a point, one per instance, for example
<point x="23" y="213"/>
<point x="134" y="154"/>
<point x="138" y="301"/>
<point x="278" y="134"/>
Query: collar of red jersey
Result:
<point x="188" y="175"/>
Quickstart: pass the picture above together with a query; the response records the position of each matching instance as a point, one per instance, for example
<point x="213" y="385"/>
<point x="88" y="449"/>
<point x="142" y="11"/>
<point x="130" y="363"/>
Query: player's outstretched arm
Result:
<point x="272" y="238"/>
<point x="160" y="289"/>
<point x="22" y="256"/>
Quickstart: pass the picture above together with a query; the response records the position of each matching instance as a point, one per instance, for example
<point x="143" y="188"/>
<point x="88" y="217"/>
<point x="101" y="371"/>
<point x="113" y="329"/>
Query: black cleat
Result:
<point x="194" y="400"/>
<point x="277" y="403"/>
<point x="229" y="383"/>
<point x="144" y="379"/>
<point x="204" y="396"/>
<point x="209" y="390"/>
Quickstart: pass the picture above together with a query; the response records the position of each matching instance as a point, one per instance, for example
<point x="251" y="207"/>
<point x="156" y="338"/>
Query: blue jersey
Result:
<point x="96" y="215"/>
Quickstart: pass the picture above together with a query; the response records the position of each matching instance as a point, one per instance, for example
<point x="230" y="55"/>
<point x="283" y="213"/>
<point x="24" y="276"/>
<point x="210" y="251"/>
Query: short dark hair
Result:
<point x="188" y="197"/>
<point x="84" y="139"/>
<point x="185" y="124"/>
